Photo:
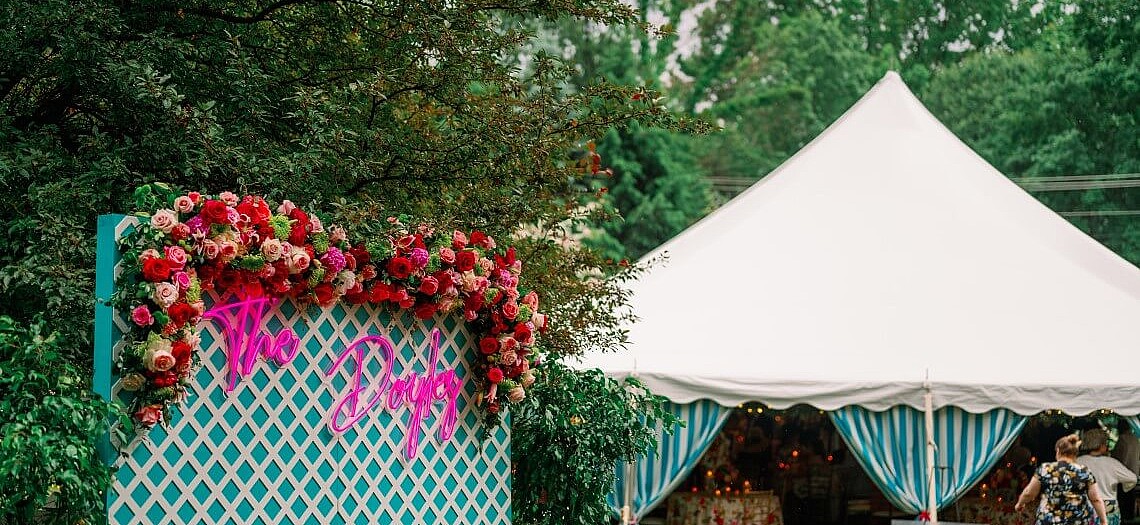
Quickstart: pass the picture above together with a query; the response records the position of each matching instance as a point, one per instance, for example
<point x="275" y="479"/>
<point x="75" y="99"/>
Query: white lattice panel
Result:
<point x="263" y="453"/>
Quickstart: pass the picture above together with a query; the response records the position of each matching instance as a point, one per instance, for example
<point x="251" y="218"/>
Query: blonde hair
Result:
<point x="1068" y="445"/>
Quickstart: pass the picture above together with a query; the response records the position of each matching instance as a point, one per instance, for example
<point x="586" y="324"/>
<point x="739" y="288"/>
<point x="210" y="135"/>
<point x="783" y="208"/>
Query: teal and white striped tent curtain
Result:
<point x="1134" y="422"/>
<point x="891" y="447"/>
<point x="657" y="475"/>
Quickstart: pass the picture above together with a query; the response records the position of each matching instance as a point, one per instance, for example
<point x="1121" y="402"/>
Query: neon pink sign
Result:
<point x="243" y="332"/>
<point x="419" y="391"/>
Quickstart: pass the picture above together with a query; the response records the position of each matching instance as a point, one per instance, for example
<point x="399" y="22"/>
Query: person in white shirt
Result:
<point x="1107" y="471"/>
<point x="1127" y="451"/>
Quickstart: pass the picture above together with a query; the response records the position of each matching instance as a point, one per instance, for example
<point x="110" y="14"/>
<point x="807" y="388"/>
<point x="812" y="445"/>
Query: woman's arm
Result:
<point x="1030" y="493"/>
<point x="1097" y="503"/>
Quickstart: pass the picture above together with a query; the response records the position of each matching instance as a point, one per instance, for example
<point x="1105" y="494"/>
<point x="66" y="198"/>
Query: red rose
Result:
<point x="180" y="232"/>
<point x="478" y="238"/>
<point x="167" y="378"/>
<point x="325" y="294"/>
<point x="255" y="208"/>
<point x="298" y="233"/>
<point x="465" y="260"/>
<point x="356" y="298"/>
<point x="429" y="286"/>
<point x="494" y="375"/>
<point x="181" y="352"/>
<point x="473" y="302"/>
<point x="181" y="312"/>
<point x="493" y="408"/>
<point x="400" y="267"/>
<point x="398" y="294"/>
<point x="523" y="334"/>
<point x="155" y="269"/>
<point x="489" y="345"/>
<point x="426" y="311"/>
<point x="228" y="280"/>
<point x="379" y="293"/>
<point x="361" y="254"/>
<point x="215" y="212"/>
<point x="443" y="278"/>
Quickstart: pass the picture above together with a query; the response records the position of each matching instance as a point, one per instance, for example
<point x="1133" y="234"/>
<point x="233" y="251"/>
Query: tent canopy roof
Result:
<point x="884" y="253"/>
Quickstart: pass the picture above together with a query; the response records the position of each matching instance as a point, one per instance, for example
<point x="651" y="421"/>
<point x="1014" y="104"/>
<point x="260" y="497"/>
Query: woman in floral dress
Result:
<point x="1068" y="491"/>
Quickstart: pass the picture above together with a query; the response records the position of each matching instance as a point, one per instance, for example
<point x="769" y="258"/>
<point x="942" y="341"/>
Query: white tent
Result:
<point x="885" y="252"/>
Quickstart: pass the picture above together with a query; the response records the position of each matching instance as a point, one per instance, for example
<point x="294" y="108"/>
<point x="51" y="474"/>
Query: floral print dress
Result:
<point x="1064" y="494"/>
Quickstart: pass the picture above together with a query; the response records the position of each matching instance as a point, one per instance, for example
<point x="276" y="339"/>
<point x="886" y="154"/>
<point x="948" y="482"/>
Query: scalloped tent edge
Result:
<point x="884" y="257"/>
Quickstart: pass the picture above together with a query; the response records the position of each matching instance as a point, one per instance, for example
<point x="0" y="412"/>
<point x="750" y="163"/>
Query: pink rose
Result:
<point x="183" y="204"/>
<point x="516" y="394"/>
<point x="447" y="255"/>
<point x="531" y="300"/>
<point x="228" y="250"/>
<point x="337" y="234"/>
<point x="209" y="249"/>
<point x="149" y="415"/>
<point x="315" y="224"/>
<point x="286" y="207"/>
<point x="156" y="347"/>
<point x="298" y="261"/>
<point x="539" y="321"/>
<point x="195" y="197"/>
<point x="232" y="216"/>
<point x="182" y="279"/>
<point x="486" y="265"/>
<point x="509" y="344"/>
<point x="510" y="310"/>
<point x="527" y="379"/>
<point x="509" y="358"/>
<point x="159" y="360"/>
<point x="177" y="257"/>
<point x="141" y="316"/>
<point x="458" y="240"/>
<point x="165" y="294"/>
<point x="273" y="249"/>
<point x="229" y="198"/>
<point x="516" y="267"/>
<point x="164" y="220"/>
<point x="429" y="285"/>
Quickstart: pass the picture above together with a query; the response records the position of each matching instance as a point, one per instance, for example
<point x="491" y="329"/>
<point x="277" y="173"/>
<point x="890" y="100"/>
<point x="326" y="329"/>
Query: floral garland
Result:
<point x="195" y="243"/>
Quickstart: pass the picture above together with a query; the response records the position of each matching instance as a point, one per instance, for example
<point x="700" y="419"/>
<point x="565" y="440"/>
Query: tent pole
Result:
<point x="931" y="496"/>
<point x="627" y="488"/>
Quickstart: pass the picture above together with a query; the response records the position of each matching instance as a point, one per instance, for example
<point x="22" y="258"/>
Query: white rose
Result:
<point x="272" y="249"/>
<point x="164" y="220"/>
<point x="165" y="294"/>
